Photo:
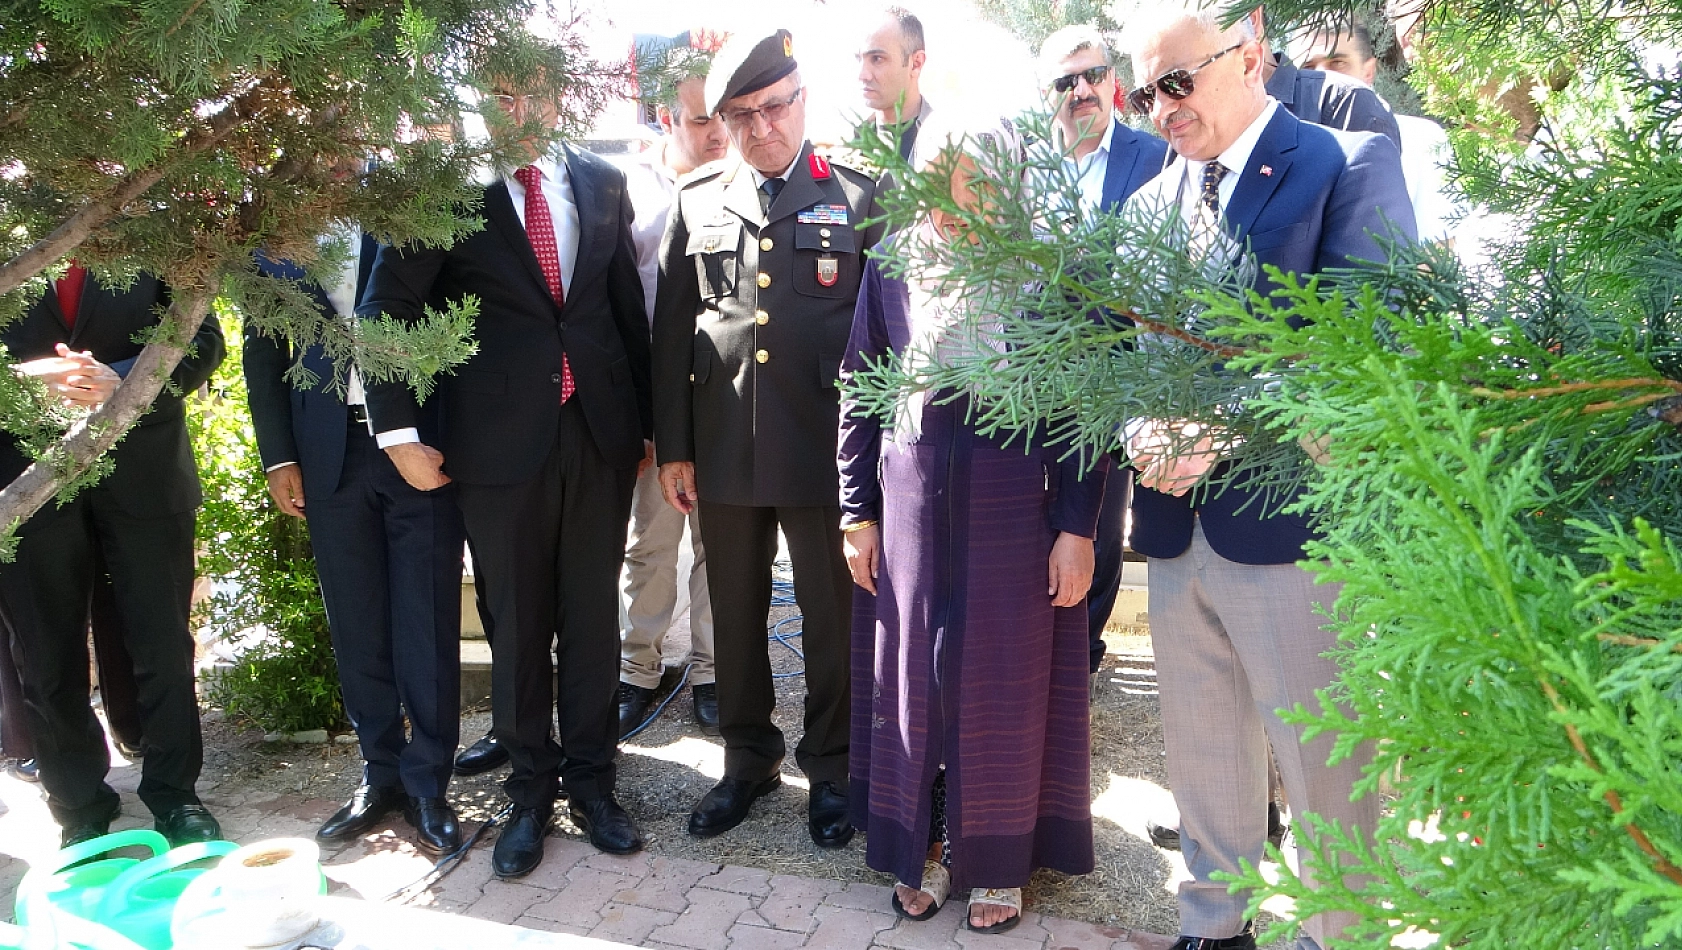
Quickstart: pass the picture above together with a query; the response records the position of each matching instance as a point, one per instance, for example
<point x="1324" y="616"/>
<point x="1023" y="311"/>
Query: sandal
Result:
<point x="937" y="883"/>
<point x="1000" y="897"/>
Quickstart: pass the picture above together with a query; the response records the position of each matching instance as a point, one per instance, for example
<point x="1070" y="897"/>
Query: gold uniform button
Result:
<point x="761" y="317"/>
<point x="823" y="232"/>
<point x="826" y="244"/>
<point x="764" y="281"/>
<point x="761" y="356"/>
<point x="765" y="244"/>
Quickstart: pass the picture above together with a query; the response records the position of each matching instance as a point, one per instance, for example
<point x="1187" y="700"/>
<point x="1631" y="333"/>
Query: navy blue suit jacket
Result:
<point x="1135" y="158"/>
<point x="1324" y="195"/>
<point x="304" y="426"/>
<point x="1330" y="99"/>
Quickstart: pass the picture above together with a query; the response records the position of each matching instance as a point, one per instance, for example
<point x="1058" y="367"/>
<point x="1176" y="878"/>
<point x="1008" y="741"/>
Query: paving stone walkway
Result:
<point x="646" y="900"/>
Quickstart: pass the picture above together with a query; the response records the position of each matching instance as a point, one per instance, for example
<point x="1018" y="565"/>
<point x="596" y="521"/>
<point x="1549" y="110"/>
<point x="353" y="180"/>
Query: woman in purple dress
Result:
<point x="970" y="754"/>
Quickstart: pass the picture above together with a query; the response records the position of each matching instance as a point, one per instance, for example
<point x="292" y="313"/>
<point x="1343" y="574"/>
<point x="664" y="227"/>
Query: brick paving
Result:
<point x="646" y="900"/>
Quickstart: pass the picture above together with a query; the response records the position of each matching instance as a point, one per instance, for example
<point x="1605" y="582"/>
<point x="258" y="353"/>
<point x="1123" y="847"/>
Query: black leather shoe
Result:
<point x="609" y="828"/>
<point x="434" y="821"/>
<point x="519" y="848"/>
<point x="1244" y="941"/>
<point x="827" y="818"/>
<point x="727" y="804"/>
<point x="481" y="757"/>
<point x="633" y="706"/>
<point x="27" y="770"/>
<point x="1164" y="837"/>
<point x="1276" y="826"/>
<point x="706" y="707"/>
<point x="185" y="824"/>
<point x="88" y="830"/>
<point x="367" y="805"/>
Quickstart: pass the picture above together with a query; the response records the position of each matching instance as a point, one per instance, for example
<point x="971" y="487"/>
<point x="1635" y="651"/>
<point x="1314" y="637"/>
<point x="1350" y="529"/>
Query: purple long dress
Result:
<point x="960" y="660"/>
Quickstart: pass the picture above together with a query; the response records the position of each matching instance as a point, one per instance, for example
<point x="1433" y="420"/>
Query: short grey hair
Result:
<point x="1151" y="19"/>
<point x="1067" y="42"/>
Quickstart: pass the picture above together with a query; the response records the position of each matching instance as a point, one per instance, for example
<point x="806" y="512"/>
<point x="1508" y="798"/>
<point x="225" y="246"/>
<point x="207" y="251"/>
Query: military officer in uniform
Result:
<point x="759" y="273"/>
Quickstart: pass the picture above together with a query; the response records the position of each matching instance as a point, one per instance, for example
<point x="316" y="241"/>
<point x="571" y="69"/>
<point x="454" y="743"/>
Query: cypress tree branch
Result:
<point x="79" y="226"/>
<point x="1668" y="384"/>
<point x="88" y="439"/>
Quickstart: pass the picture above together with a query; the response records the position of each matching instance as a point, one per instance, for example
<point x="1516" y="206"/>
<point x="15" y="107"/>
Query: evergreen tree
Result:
<point x="177" y="137"/>
<point x="1495" y="464"/>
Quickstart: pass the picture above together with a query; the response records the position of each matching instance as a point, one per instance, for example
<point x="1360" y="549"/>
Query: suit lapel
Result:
<point x="370" y="249"/>
<point x="1120" y="170"/>
<point x="587" y="197"/>
<point x="1255" y="186"/>
<point x="800" y="191"/>
<point x="499" y="211"/>
<point x="741" y="196"/>
<point x="55" y="308"/>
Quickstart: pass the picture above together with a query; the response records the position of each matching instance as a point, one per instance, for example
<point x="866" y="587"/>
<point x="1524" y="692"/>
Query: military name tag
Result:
<point x="829" y="271"/>
<point x="822" y="214"/>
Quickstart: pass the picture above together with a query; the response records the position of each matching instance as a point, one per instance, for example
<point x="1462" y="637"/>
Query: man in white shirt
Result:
<point x="1425" y="148"/>
<point x="1109" y="160"/>
<point x="891" y="62"/>
<point x="544" y="428"/>
<point x="1233" y="618"/>
<point x="694" y="137"/>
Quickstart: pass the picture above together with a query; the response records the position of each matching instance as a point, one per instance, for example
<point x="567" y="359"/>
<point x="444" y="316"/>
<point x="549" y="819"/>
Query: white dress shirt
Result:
<point x="1091" y="171"/>
<point x="652" y="186"/>
<point x="563" y="212"/>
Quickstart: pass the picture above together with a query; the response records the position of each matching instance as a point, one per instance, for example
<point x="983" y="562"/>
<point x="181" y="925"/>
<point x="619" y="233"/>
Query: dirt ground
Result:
<point x="664" y="770"/>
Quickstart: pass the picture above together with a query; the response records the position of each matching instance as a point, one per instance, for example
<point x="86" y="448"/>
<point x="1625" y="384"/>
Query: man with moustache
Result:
<point x="694" y="137"/>
<point x="890" y="76"/>
<point x="1109" y="161"/>
<point x="1233" y="616"/>
<point x="543" y="429"/>
<point x="759" y="275"/>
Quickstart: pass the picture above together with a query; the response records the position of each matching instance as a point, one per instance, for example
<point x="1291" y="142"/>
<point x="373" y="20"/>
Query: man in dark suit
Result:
<point x="758" y="278"/>
<point x="1327" y="99"/>
<point x="543" y="430"/>
<point x="141" y="517"/>
<point x="1228" y="603"/>
<point x="389" y="559"/>
<point x="1109" y="161"/>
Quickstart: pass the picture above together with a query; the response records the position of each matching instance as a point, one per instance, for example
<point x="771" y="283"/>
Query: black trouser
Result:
<point x="118" y="692"/>
<point x="45" y="594"/>
<point x="389" y="558"/>
<point x="741" y="547"/>
<point x="547" y="553"/>
<point x="1107" y="559"/>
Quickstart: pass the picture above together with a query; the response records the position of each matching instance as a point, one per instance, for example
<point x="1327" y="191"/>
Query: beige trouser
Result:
<point x="651" y="576"/>
<point x="1234" y="643"/>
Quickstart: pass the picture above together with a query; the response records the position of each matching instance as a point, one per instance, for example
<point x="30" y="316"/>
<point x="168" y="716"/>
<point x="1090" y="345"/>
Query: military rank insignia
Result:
<point x="819" y="167"/>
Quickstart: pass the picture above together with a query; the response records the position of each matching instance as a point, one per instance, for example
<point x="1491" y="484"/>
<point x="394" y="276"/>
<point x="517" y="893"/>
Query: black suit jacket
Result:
<point x="499" y="410"/>
<point x="155" y="473"/>
<point x="304" y="426"/>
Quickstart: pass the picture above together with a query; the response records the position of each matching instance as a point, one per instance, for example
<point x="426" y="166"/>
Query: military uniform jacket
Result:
<point x="750" y="323"/>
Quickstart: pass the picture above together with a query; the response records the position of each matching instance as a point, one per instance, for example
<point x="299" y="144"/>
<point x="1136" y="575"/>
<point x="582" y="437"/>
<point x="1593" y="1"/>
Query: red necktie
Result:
<point x="69" y="289"/>
<point x="540" y="230"/>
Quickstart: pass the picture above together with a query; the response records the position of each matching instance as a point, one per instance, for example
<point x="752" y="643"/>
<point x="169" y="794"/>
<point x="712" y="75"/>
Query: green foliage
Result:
<point x="1501" y="493"/>
<point x="265" y="596"/>
<point x="1034" y="20"/>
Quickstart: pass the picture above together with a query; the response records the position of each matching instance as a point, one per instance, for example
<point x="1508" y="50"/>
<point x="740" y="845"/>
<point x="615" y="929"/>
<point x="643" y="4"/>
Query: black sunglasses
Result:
<point x="1176" y="84"/>
<point x="1093" y="77"/>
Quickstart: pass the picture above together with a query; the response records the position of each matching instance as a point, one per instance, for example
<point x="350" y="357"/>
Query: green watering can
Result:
<point x="133" y="899"/>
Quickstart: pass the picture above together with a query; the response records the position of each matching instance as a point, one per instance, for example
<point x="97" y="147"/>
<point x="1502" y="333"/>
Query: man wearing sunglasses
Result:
<point x="1232" y="615"/>
<point x="759" y="275"/>
<point x="1109" y="161"/>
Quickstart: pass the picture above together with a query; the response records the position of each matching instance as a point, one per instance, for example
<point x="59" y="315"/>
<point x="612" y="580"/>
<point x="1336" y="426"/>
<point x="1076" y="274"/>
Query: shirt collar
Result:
<point x="759" y="179"/>
<point x="553" y="166"/>
<point x="1237" y="155"/>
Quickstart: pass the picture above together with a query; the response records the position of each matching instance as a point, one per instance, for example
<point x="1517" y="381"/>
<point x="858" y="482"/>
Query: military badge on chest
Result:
<point x="829" y="266"/>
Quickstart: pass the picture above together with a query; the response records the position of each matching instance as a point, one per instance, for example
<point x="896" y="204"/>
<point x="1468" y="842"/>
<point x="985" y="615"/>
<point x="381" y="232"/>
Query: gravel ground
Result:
<point x="664" y="770"/>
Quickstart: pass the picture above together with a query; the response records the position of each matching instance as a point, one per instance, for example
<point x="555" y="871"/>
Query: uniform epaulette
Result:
<point x="710" y="170"/>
